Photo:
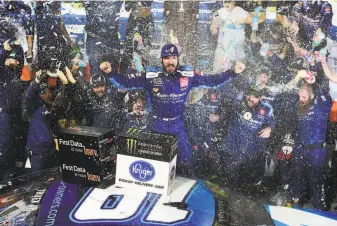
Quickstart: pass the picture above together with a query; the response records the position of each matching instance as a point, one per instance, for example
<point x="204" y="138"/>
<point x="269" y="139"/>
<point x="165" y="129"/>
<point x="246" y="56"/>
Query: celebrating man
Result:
<point x="169" y="87"/>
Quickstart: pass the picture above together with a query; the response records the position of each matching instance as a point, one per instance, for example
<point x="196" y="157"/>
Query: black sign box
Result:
<point x="87" y="155"/>
<point x="146" y="144"/>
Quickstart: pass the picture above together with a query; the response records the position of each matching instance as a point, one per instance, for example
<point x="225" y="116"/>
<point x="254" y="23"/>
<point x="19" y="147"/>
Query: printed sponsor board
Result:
<point x="87" y="155"/>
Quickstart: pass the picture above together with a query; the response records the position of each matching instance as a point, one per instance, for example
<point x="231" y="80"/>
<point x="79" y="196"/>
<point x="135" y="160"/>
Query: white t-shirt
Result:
<point x="231" y="37"/>
<point x="332" y="62"/>
<point x="334" y="11"/>
<point x="236" y="14"/>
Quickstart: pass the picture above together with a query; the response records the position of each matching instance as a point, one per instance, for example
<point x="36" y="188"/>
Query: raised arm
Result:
<point x="212" y="80"/>
<point x="132" y="80"/>
<point x="280" y="88"/>
<point x="327" y="71"/>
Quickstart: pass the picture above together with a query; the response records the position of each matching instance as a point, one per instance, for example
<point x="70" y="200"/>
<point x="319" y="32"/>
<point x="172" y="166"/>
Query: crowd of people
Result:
<point x="261" y="113"/>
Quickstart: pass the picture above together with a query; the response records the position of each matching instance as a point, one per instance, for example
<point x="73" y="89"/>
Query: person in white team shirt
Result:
<point x="229" y="23"/>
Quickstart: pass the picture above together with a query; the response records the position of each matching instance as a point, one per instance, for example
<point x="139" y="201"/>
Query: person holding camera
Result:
<point x="40" y="99"/>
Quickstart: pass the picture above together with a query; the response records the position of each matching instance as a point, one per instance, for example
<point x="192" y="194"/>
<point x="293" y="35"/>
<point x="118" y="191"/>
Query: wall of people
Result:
<point x="262" y="115"/>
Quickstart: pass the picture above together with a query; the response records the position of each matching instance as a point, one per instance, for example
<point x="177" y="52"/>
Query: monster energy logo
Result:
<point x="133" y="131"/>
<point x="131" y="145"/>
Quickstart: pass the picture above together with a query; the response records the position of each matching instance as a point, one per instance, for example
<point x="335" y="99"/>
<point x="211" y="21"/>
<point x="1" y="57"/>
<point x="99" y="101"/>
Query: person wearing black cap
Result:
<point x="11" y="89"/>
<point x="98" y="84"/>
<point x="249" y="130"/>
<point x="102" y="104"/>
<point x="168" y="87"/>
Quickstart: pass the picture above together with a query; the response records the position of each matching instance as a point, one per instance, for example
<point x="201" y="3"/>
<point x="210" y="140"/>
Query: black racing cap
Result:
<point x="98" y="79"/>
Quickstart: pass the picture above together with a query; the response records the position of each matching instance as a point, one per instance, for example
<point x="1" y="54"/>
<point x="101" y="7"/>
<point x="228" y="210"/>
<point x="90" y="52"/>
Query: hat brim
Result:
<point x="166" y="55"/>
<point x="98" y="84"/>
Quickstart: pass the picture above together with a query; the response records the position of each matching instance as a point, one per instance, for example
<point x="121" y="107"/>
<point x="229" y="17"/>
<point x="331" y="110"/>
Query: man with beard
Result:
<point x="105" y="104"/>
<point x="97" y="102"/>
<point x="168" y="88"/>
<point x="249" y="130"/>
<point x="309" y="157"/>
<point x="11" y="88"/>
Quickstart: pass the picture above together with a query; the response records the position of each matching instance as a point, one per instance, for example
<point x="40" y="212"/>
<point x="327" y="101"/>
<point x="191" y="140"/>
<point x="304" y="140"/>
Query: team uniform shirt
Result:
<point x="40" y="135"/>
<point x="312" y="126"/>
<point x="137" y="121"/>
<point x="106" y="112"/>
<point x="270" y="96"/>
<point x="40" y="139"/>
<point x="308" y="25"/>
<point x="20" y="13"/>
<point x="11" y="86"/>
<point x="309" y="159"/>
<point x="245" y="152"/>
<point x="169" y="93"/>
<point x="11" y="89"/>
<point x="243" y="132"/>
<point x="200" y="127"/>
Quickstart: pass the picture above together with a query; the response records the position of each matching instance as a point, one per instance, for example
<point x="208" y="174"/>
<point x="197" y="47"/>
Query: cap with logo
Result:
<point x="98" y="79"/>
<point x="255" y="91"/>
<point x="133" y="96"/>
<point x="169" y="50"/>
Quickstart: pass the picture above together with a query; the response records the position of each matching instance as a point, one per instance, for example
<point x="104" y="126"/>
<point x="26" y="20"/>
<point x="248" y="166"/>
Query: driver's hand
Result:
<point x="106" y="67"/>
<point x="239" y="67"/>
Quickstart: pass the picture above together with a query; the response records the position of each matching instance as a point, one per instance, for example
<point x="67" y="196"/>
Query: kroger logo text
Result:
<point x="142" y="171"/>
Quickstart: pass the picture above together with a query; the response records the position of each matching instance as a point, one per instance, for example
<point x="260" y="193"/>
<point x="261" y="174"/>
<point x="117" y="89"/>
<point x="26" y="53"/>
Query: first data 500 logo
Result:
<point x="142" y="171"/>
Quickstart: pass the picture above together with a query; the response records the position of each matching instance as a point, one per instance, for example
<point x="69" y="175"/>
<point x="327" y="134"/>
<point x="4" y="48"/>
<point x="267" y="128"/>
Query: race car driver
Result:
<point x="168" y="88"/>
